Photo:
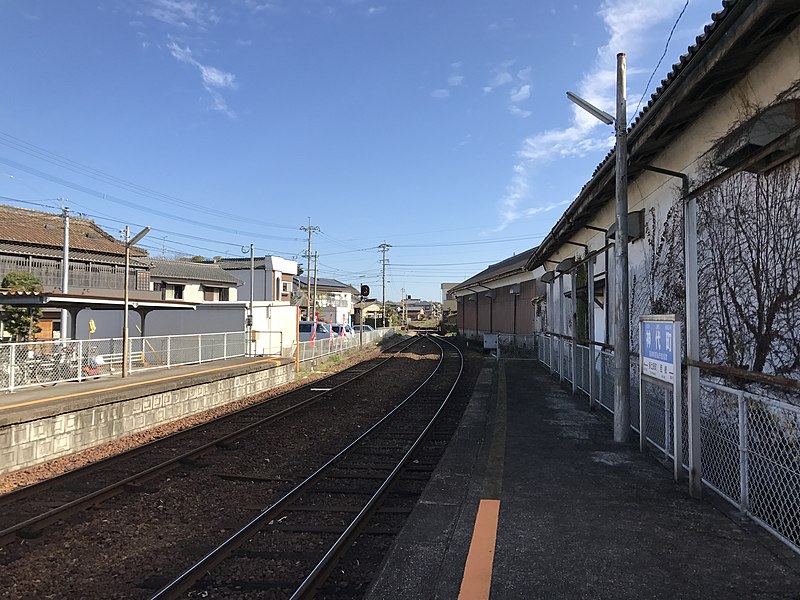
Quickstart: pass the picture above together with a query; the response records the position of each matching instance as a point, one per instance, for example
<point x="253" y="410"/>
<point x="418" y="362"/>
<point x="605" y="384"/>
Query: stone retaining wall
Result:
<point x="37" y="441"/>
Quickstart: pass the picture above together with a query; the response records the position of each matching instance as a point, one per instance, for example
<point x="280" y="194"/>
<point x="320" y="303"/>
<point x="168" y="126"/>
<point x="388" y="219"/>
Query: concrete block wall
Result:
<point x="32" y="442"/>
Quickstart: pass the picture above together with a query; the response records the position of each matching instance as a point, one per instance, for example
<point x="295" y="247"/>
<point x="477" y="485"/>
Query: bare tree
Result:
<point x="749" y="270"/>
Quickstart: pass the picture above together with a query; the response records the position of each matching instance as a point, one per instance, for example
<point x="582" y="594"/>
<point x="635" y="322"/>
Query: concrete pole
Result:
<point x="314" y="297"/>
<point x="622" y="366"/>
<point x="125" y="302"/>
<point x="65" y="273"/>
<point x="250" y="315"/>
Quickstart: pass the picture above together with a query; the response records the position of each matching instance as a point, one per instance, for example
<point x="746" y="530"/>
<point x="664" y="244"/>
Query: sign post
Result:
<point x="660" y="364"/>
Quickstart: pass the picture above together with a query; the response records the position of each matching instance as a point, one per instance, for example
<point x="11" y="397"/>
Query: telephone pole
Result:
<point x="316" y="265"/>
<point x="384" y="248"/>
<point x="310" y="229"/>
<point x="65" y="273"/>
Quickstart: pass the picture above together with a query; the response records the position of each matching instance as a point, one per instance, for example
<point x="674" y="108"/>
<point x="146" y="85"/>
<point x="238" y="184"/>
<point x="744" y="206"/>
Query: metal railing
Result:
<point x="28" y="364"/>
<point x="341" y="344"/>
<point x="750" y="444"/>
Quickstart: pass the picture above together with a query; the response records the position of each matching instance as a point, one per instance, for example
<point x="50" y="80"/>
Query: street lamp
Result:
<point x="128" y="243"/>
<point x="622" y="365"/>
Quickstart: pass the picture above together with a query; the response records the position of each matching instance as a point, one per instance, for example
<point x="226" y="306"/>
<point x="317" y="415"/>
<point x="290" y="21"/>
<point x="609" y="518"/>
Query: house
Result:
<point x="193" y="281"/>
<point x="272" y="277"/>
<point x="33" y="241"/>
<point x="334" y="300"/>
<point x="500" y="299"/>
<point x="449" y="302"/>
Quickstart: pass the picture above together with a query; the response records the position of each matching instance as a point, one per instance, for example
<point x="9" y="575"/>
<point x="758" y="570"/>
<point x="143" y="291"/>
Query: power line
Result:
<point x="133" y="205"/>
<point x="92" y="173"/>
<point x="649" y="81"/>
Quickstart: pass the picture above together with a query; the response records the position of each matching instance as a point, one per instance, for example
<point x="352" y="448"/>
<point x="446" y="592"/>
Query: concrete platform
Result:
<point x="579" y="516"/>
<point x="43" y="423"/>
<point x="31" y="403"/>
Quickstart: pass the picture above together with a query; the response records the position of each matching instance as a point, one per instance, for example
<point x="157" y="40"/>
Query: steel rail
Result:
<point x="322" y="570"/>
<point x="35" y="524"/>
<point x="193" y="574"/>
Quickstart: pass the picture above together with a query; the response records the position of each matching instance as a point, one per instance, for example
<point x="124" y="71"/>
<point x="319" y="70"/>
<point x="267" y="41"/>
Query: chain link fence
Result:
<point x="750" y="444"/>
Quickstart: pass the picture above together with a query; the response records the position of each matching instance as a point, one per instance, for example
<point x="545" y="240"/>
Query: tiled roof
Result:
<point x="74" y="255"/>
<point x="508" y="266"/>
<point x="38" y="228"/>
<point x="240" y="263"/>
<point x="191" y="271"/>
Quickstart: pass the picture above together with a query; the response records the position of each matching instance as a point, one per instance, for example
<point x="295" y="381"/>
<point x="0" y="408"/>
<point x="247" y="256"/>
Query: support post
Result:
<point x="622" y="366"/>
<point x="693" y="350"/>
<point x="590" y="319"/>
<point x="573" y="319"/>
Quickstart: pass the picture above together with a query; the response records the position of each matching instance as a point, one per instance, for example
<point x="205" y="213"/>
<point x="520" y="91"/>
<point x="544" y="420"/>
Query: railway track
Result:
<point x="26" y="513"/>
<point x="291" y="547"/>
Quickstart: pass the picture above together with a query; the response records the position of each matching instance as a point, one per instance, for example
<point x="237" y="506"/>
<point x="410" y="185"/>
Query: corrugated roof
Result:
<point x="191" y="271"/>
<point x="507" y="266"/>
<point x="38" y="228"/>
<point x="734" y="40"/>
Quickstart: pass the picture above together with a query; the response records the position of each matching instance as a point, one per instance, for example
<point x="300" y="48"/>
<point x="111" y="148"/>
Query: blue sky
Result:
<point x="438" y="127"/>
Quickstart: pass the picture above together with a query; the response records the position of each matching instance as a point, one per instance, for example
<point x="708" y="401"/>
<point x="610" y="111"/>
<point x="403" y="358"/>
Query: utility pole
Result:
<point x="250" y="308"/>
<point x="316" y="265"/>
<point x="310" y="229"/>
<point x="622" y="362"/>
<point x="403" y="307"/>
<point x="384" y="248"/>
<point x="65" y="272"/>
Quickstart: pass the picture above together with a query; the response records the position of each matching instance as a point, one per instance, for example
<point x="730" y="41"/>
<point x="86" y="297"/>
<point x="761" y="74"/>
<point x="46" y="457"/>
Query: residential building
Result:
<point x="334" y="299"/>
<point x="33" y="241"/>
<point x="193" y="281"/>
<point x="272" y="276"/>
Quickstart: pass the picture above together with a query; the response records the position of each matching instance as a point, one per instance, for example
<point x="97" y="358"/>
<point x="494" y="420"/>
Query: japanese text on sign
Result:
<point x="658" y="350"/>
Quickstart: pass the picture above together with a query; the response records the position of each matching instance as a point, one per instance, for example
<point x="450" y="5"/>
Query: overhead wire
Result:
<point x="666" y="46"/>
<point x="37" y="152"/>
<point x="133" y="205"/>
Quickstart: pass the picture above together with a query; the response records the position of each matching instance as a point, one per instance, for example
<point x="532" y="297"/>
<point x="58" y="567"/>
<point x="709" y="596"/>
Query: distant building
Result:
<point x="272" y="279"/>
<point x="33" y="241"/>
<point x="193" y="281"/>
<point x="334" y="299"/>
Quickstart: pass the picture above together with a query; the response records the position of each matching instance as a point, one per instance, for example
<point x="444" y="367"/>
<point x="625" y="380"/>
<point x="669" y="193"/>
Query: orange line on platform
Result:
<point x="478" y="571"/>
<point x="134" y="384"/>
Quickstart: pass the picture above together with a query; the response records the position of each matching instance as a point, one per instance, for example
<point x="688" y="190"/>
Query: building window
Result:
<point x="214" y="294"/>
<point x="169" y="291"/>
<point x="286" y="287"/>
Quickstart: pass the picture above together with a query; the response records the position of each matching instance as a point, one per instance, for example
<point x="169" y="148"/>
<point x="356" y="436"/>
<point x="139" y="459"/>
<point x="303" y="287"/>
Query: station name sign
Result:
<point x="658" y="341"/>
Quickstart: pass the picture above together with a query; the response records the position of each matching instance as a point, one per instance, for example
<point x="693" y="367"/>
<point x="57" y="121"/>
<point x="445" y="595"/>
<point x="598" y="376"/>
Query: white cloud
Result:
<point x="627" y="23"/>
<point x="521" y="93"/>
<point x="214" y="79"/>
<point x="375" y="10"/>
<point x="500" y="79"/>
<point x="440" y="93"/>
<point x="455" y="79"/>
<point x="518" y="112"/>
<point x="181" y="13"/>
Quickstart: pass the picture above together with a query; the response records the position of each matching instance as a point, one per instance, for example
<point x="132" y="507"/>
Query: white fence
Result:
<point x="27" y="364"/>
<point x="339" y="345"/>
<point x="750" y="444"/>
